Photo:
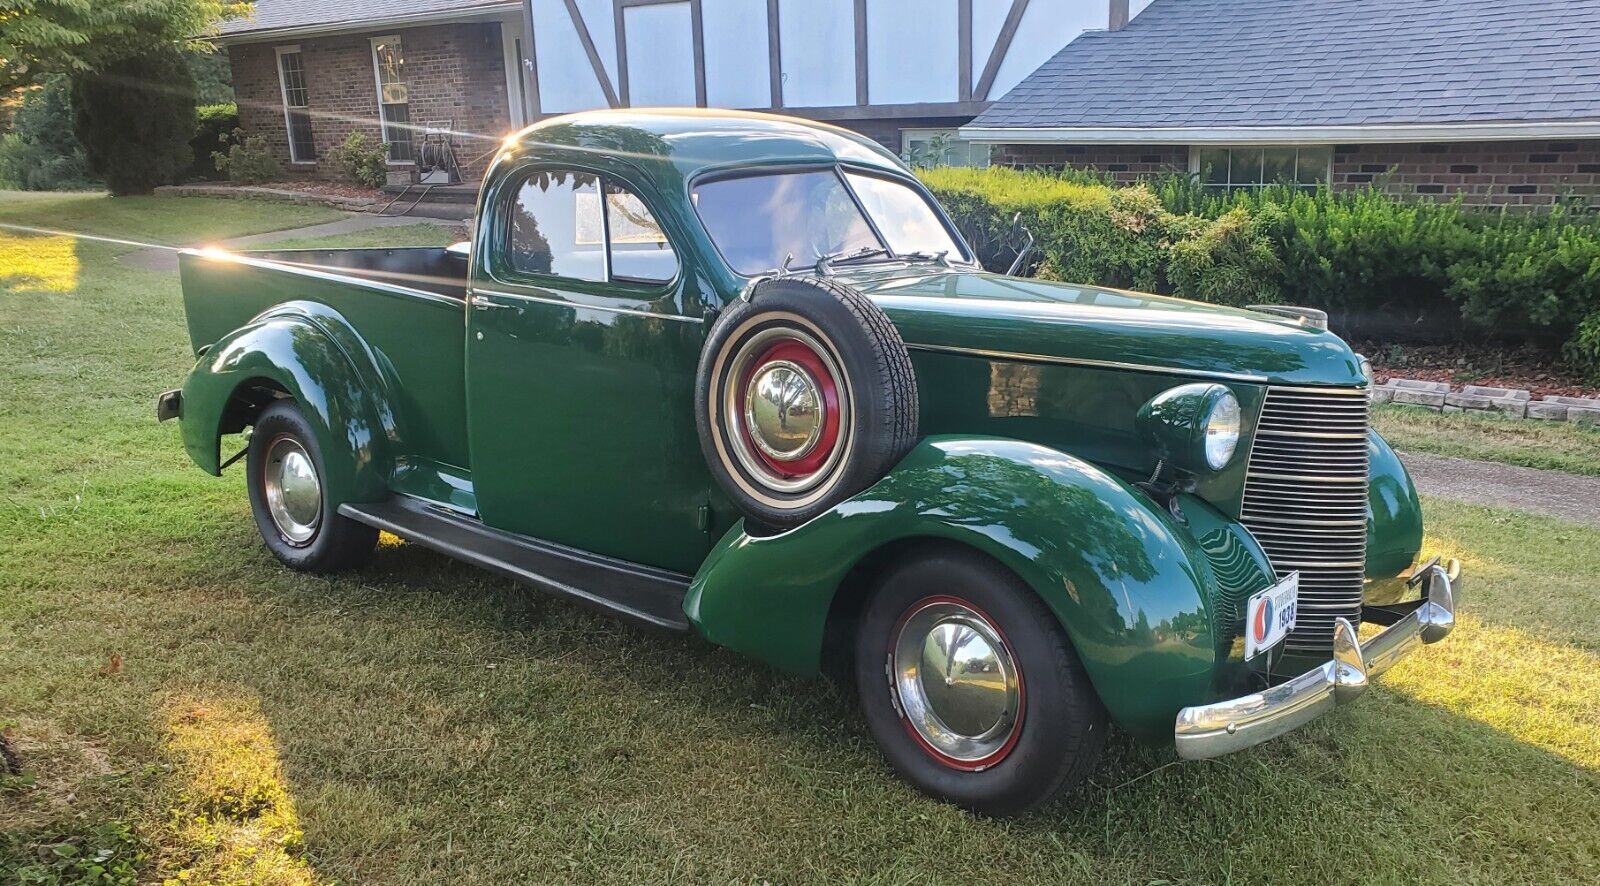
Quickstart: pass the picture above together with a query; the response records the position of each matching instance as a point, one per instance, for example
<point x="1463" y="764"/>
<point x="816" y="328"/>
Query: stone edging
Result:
<point x="282" y="195"/>
<point x="1439" y="397"/>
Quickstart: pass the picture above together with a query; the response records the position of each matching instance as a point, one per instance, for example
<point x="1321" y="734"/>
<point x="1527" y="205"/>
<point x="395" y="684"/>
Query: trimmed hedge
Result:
<point x="1381" y="268"/>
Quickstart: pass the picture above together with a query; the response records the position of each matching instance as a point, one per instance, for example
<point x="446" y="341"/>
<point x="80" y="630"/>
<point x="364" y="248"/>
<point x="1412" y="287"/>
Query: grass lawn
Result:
<point x="1556" y="446"/>
<point x="182" y="703"/>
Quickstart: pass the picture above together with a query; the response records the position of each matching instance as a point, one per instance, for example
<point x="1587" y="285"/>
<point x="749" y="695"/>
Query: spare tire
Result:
<point x="805" y="396"/>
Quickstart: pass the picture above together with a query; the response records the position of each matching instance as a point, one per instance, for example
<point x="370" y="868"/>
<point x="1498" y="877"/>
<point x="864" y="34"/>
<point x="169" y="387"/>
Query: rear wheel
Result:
<point x="289" y="498"/>
<point x="971" y="688"/>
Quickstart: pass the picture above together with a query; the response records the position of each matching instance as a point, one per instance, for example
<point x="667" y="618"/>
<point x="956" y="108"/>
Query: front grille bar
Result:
<point x="1305" y="501"/>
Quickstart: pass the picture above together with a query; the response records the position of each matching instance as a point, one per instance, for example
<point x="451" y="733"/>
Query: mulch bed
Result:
<point x="1457" y="365"/>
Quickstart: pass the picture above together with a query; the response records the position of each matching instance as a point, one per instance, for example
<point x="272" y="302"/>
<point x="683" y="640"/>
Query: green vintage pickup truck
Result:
<point x="739" y="375"/>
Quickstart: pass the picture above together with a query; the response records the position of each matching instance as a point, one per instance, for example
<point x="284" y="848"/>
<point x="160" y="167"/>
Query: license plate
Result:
<point x="1270" y="616"/>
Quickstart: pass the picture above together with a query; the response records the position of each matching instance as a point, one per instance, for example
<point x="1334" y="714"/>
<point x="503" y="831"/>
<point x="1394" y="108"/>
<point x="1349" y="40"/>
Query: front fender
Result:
<point x="1127" y="583"/>
<point x="300" y="352"/>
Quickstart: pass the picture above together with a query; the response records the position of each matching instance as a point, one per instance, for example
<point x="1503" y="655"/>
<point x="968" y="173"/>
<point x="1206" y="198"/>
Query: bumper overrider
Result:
<point x="1223" y="727"/>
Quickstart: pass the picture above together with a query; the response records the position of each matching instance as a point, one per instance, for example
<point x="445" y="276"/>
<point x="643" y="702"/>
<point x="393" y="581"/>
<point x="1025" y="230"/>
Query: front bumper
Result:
<point x="1223" y="727"/>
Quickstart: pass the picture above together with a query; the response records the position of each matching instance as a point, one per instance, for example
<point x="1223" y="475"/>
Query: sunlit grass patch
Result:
<point x="1542" y="693"/>
<point x="33" y="263"/>
<point x="234" y="821"/>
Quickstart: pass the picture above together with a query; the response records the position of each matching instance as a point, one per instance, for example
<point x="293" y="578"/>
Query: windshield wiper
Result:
<point x="942" y="256"/>
<point x="825" y="263"/>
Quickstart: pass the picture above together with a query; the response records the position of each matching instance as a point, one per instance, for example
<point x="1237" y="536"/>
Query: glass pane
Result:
<point x="302" y="146"/>
<point x="903" y="217"/>
<point x="557" y="228"/>
<point x="1214" y="166"/>
<point x="1244" y="166"/>
<point x="1313" y="164"/>
<point x="639" y="249"/>
<point x="397" y="132"/>
<point x="758" y="220"/>
<point x="1277" y="165"/>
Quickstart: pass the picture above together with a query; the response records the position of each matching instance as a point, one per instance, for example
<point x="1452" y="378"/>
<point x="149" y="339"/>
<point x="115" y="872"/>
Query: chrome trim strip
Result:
<point x="317" y="272"/>
<point x="633" y="312"/>
<point x="1096" y="364"/>
<point x="1222" y="727"/>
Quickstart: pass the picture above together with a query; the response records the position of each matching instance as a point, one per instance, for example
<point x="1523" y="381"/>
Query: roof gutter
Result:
<point x="1283" y="135"/>
<point x="363" y="25"/>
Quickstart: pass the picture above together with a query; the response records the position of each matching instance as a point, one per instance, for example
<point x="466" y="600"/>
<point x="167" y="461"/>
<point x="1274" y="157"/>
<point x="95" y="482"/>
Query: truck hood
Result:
<point x="958" y="310"/>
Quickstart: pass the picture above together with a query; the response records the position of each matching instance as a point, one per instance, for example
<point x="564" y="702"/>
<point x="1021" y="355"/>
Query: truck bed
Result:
<point x="407" y="305"/>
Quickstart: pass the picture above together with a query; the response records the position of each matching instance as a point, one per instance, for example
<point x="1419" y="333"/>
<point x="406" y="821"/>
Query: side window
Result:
<point x="560" y="227"/>
<point x="639" y="248"/>
<point x="557" y="226"/>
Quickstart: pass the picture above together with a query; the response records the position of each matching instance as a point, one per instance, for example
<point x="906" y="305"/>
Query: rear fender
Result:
<point x="308" y="351"/>
<point x="1127" y="584"/>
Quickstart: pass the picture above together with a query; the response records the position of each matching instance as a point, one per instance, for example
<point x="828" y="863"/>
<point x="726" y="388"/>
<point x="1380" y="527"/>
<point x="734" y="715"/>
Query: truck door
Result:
<point x="581" y="356"/>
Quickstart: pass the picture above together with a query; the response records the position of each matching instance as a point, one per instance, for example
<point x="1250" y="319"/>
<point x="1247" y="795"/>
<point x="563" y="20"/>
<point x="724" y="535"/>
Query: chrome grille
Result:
<point x="1305" y="500"/>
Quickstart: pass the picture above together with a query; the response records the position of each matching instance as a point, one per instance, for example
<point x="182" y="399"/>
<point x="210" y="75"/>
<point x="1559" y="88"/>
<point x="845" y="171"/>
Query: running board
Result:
<point x="641" y="594"/>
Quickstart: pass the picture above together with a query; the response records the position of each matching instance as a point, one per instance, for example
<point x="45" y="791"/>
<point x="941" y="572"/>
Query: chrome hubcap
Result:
<point x="783" y="410"/>
<point x="958" y="685"/>
<point x="293" y="492"/>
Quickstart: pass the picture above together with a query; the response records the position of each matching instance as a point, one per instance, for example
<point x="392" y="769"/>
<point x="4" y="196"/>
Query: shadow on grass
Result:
<point x="1387" y="782"/>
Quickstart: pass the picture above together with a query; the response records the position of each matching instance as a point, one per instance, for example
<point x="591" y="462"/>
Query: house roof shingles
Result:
<point x="1222" y="63"/>
<point x="278" y="15"/>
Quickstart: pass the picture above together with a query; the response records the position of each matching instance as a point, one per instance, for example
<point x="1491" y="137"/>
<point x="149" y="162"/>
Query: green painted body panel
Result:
<point x="1394" y="530"/>
<point x="412" y="341"/>
<point x="1128" y="583"/>
<point x="566" y="413"/>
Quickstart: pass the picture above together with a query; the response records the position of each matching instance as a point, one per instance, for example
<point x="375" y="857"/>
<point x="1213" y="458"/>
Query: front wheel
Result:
<point x="971" y="688"/>
<point x="289" y="497"/>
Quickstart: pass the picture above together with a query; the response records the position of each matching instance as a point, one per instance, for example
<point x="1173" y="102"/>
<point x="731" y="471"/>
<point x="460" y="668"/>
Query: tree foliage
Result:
<point x="42" y="37"/>
<point x="40" y="152"/>
<point x="135" y="119"/>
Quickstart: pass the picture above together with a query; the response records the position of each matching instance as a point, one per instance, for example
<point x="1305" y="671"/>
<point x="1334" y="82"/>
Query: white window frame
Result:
<point x="283" y="93"/>
<point x="1194" y="160"/>
<point x="510" y="35"/>
<point x="377" y="92"/>
<point x="906" y="135"/>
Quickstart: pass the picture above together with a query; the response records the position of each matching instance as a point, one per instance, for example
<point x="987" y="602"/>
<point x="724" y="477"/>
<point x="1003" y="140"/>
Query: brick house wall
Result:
<point x="1519" y="173"/>
<point x="453" y="72"/>
<point x="1515" y="173"/>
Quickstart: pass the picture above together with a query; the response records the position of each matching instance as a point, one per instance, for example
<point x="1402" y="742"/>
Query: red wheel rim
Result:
<point x="907" y="710"/>
<point x="798" y="353"/>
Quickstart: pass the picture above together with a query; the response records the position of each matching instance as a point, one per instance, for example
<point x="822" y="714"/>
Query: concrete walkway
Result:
<point x="166" y="258"/>
<point x="1551" y="493"/>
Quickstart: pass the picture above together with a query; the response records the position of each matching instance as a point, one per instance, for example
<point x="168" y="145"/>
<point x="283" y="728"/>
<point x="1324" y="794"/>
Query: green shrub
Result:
<point x="40" y="152"/>
<point x="1382" y="268"/>
<point x="134" y="120"/>
<point x="362" y="160"/>
<point x="215" y="132"/>
<point x="248" y="161"/>
<point x="1583" y="349"/>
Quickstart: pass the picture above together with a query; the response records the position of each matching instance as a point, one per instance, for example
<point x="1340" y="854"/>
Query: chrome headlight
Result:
<point x="1192" y="427"/>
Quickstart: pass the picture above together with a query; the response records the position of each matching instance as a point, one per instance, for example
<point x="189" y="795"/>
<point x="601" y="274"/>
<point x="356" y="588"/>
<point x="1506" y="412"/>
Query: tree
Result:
<point x="135" y="119"/>
<point x="39" y="153"/>
<point x="40" y="37"/>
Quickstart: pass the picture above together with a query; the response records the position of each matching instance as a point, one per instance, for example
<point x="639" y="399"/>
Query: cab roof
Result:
<point x="696" y="140"/>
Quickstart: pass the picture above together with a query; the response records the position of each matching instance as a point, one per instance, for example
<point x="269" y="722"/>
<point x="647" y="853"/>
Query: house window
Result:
<point x="941" y="147"/>
<point x="1225" y="168"/>
<point x="394" y="97"/>
<point x="296" y="105"/>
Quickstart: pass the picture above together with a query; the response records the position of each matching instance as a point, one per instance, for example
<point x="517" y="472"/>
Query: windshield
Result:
<point x="759" y="221"/>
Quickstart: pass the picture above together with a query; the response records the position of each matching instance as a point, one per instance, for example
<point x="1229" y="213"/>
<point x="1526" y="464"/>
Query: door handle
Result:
<point x="484" y="303"/>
